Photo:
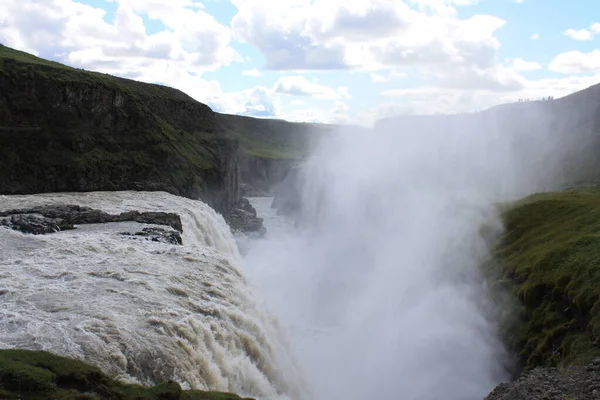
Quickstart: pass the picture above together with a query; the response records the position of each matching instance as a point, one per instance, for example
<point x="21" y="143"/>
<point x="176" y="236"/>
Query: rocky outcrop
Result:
<point x="35" y="224"/>
<point x="577" y="383"/>
<point x="53" y="218"/>
<point x="64" y="129"/>
<point x="155" y="234"/>
<point x="244" y="218"/>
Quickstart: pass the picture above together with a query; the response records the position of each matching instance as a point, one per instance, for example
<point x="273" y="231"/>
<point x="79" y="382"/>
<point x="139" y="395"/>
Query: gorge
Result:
<point x="396" y="273"/>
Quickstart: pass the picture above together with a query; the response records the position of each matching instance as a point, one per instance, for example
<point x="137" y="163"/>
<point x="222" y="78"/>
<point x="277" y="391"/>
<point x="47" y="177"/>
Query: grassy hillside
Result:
<point x="66" y="129"/>
<point x="271" y="138"/>
<point x="549" y="258"/>
<point x="18" y="62"/>
<point x="37" y="375"/>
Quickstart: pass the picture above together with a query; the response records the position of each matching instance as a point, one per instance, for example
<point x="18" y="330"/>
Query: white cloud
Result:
<point x="300" y="86"/>
<point x="584" y="34"/>
<point x="576" y="62"/>
<point x="535" y="36"/>
<point x="433" y="99"/>
<point x="368" y="35"/>
<point x="252" y="72"/>
<point x="338" y="113"/>
<point x="579" y="34"/>
<point x="390" y="76"/>
<point x="193" y="40"/>
<point x="521" y="65"/>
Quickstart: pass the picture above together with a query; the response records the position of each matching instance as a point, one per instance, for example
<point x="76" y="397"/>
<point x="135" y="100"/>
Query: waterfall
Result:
<point x="142" y="311"/>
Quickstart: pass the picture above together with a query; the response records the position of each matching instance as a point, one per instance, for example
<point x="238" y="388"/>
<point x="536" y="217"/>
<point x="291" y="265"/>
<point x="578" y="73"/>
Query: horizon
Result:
<point x="323" y="61"/>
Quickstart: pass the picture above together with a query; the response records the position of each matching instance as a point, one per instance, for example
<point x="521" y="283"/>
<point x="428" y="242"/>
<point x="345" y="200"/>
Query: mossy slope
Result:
<point x="38" y="375"/>
<point x="549" y="257"/>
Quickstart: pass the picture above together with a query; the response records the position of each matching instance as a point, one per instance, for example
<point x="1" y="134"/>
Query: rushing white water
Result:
<point x="381" y="288"/>
<point x="142" y="311"/>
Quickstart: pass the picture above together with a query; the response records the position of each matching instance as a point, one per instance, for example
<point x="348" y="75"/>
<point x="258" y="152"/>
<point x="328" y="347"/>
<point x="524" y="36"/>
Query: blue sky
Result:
<point x="338" y="61"/>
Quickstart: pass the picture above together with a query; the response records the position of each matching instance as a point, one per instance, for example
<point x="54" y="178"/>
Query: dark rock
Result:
<point x="245" y="221"/>
<point x="245" y="205"/>
<point x="243" y="217"/>
<point x="35" y="224"/>
<point x="574" y="382"/>
<point x="157" y="235"/>
<point x="63" y="216"/>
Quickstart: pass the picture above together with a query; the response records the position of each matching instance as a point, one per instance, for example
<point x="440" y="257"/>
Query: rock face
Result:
<point x="243" y="217"/>
<point x="580" y="383"/>
<point x="64" y="129"/>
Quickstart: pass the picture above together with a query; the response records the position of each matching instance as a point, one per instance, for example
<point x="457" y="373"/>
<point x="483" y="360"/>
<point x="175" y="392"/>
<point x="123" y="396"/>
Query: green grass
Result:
<point x="14" y="62"/>
<point x="276" y="139"/>
<point x="38" y="375"/>
<point x="549" y="258"/>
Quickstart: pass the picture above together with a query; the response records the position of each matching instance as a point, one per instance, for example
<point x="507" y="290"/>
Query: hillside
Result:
<point x="548" y="260"/>
<point x="567" y="129"/>
<point x="65" y="129"/>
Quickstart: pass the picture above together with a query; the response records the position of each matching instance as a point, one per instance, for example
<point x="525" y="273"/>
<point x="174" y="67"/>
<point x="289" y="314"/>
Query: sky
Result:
<point x="332" y="61"/>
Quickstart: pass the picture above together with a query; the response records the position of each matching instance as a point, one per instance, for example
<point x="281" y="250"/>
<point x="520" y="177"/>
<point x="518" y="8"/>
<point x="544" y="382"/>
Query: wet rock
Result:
<point x="157" y="235"/>
<point x="243" y="217"/>
<point x="579" y="383"/>
<point x="69" y="215"/>
<point x="35" y="224"/>
<point x="245" y="221"/>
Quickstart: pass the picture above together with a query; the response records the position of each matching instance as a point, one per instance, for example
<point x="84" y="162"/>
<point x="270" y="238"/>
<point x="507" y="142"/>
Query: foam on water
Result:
<point x="142" y="311"/>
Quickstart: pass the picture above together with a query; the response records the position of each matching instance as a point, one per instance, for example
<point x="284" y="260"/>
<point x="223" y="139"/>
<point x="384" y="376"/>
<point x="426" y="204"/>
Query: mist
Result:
<point x="379" y="285"/>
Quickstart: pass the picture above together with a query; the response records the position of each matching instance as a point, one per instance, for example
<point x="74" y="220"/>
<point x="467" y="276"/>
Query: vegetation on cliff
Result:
<point x="26" y="374"/>
<point x="66" y="129"/>
<point x="549" y="259"/>
<point x="273" y="139"/>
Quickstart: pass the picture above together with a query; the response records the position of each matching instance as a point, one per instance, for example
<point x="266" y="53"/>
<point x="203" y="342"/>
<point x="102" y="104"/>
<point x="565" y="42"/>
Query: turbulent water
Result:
<point x="142" y="311"/>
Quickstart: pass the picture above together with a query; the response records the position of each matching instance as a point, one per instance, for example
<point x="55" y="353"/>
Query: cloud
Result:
<point x="584" y="34"/>
<point x="521" y="65"/>
<point x="367" y="35"/>
<point x="390" y="76"/>
<point x="300" y="86"/>
<point x="579" y="34"/>
<point x="337" y="113"/>
<point x="191" y="39"/>
<point x="535" y="36"/>
<point x="252" y="72"/>
<point x="576" y="62"/>
<point x="433" y="99"/>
